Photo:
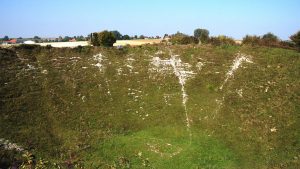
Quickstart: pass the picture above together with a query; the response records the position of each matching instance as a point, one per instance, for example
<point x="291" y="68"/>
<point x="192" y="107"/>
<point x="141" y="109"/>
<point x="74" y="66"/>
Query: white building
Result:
<point x="29" y="42"/>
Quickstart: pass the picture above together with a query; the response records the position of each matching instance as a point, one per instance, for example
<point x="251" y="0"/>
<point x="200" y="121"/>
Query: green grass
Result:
<point x="75" y="114"/>
<point x="167" y="147"/>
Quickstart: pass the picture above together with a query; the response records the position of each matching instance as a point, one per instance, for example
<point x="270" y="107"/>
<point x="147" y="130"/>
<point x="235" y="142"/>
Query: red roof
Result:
<point x="12" y="41"/>
<point x="72" y="40"/>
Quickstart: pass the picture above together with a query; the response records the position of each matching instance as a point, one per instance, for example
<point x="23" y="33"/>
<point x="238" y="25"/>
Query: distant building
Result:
<point x="29" y="42"/>
<point x="12" y="41"/>
<point x="72" y="40"/>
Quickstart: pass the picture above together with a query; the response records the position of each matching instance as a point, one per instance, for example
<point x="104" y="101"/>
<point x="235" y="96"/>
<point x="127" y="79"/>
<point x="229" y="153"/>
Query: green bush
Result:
<point x="189" y="40"/>
<point x="251" y="40"/>
<point x="222" y="40"/>
<point x="176" y="38"/>
<point x="269" y="40"/>
<point x="296" y="38"/>
<point x="287" y="44"/>
<point x="182" y="39"/>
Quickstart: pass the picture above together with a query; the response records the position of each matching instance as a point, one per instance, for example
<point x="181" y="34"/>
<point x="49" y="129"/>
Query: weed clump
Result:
<point x="182" y="39"/>
<point x="222" y="40"/>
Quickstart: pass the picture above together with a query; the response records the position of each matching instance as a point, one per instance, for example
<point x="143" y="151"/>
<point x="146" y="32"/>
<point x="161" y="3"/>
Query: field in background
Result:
<point x="152" y="107"/>
<point x="137" y="42"/>
<point x="65" y="44"/>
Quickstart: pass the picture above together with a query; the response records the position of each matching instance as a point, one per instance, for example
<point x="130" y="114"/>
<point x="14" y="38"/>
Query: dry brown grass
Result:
<point x="137" y="42"/>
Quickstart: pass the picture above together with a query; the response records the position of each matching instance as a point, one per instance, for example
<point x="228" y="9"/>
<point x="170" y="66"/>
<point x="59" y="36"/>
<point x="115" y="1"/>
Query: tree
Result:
<point x="126" y="37"/>
<point x="36" y="37"/>
<point x="107" y="38"/>
<point x="270" y="36"/>
<point x="80" y="38"/>
<point x="142" y="37"/>
<point x="95" y="39"/>
<point x="6" y="38"/>
<point x="60" y="39"/>
<point x="270" y="39"/>
<point x="117" y="35"/>
<point x="66" y="39"/>
<point x="104" y="38"/>
<point x="296" y="38"/>
<point x="202" y="35"/>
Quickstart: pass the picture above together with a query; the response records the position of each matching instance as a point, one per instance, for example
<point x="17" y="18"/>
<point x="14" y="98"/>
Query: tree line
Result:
<point x="201" y="36"/>
<point x="108" y="38"/>
<point x="38" y="39"/>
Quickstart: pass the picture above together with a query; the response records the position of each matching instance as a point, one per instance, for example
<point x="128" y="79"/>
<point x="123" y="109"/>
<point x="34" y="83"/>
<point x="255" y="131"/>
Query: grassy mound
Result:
<point x="151" y="106"/>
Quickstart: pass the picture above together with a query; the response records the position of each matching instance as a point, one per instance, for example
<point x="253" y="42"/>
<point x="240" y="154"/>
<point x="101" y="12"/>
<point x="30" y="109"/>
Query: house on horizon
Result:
<point x="11" y="41"/>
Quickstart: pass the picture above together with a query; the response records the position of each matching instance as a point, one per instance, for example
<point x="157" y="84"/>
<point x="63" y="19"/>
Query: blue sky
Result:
<point x="235" y="18"/>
